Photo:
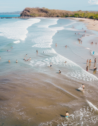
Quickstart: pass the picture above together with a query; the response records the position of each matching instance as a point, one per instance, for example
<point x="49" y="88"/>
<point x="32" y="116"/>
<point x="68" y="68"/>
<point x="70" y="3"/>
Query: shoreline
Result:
<point x="91" y="24"/>
<point x="38" y="97"/>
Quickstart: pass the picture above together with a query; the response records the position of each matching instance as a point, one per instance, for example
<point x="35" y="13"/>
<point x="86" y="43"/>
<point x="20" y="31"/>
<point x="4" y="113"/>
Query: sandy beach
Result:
<point x="91" y="24"/>
<point x="33" y="93"/>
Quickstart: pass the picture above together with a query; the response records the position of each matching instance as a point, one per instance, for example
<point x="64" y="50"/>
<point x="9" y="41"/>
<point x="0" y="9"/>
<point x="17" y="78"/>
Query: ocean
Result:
<point x="32" y="92"/>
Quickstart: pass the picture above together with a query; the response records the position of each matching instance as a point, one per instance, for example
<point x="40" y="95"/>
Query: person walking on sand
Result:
<point x="66" y="115"/>
<point x="83" y="87"/>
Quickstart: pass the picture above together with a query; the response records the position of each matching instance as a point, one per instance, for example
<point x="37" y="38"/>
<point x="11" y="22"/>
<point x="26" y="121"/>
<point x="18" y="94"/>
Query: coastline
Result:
<point x="91" y="24"/>
<point x="40" y="97"/>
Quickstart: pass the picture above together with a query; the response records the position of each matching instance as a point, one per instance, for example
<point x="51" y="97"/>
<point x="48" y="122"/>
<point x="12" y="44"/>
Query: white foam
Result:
<point x="16" y="41"/>
<point x="17" y="30"/>
<point x="91" y="105"/>
<point x="88" y="48"/>
<point x="44" y="39"/>
<point x="72" y="29"/>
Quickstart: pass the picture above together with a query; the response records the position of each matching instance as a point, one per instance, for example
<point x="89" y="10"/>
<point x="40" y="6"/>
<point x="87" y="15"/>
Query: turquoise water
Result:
<point x="9" y="15"/>
<point x="24" y="36"/>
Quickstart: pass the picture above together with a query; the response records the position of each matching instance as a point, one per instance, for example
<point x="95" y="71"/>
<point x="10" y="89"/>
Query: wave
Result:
<point x="16" y="41"/>
<point x="44" y="39"/>
<point x="17" y="30"/>
<point x="74" y="70"/>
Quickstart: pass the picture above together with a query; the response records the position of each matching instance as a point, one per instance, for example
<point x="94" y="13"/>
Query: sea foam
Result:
<point x="44" y="40"/>
<point x="17" y="30"/>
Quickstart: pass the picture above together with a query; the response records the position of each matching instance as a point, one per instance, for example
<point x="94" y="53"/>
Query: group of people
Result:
<point x="93" y="42"/>
<point x="89" y="61"/>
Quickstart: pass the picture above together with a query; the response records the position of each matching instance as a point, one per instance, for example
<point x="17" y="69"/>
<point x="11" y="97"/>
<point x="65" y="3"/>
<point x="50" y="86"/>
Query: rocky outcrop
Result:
<point x="44" y="12"/>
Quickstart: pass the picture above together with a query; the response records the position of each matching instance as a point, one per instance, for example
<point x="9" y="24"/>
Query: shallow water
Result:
<point x="31" y="90"/>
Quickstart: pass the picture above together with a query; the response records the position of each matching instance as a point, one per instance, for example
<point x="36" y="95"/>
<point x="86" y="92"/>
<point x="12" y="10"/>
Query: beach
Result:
<point x="32" y="92"/>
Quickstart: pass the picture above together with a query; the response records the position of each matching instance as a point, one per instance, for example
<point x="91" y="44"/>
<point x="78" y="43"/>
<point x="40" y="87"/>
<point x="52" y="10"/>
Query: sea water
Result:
<point x="20" y="38"/>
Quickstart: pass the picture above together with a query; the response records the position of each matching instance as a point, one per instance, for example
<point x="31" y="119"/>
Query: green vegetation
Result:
<point x="44" y="12"/>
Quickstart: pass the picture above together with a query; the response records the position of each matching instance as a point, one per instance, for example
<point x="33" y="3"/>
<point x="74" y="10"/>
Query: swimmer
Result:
<point x="83" y="87"/>
<point x="65" y="62"/>
<point x="16" y="61"/>
<point x="12" y="47"/>
<point x="66" y="46"/>
<point x="0" y="57"/>
<point x="56" y="44"/>
<point x="37" y="51"/>
<point x="9" y="61"/>
<point x="67" y="114"/>
<point x="59" y="71"/>
<point x="50" y="64"/>
<point x="26" y="54"/>
<point x="30" y="58"/>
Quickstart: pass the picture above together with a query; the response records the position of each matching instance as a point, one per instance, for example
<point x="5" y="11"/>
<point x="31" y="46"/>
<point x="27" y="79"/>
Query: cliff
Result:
<point x="44" y="12"/>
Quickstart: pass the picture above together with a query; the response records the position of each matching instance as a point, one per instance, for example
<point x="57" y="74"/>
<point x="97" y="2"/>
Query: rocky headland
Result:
<point x="44" y="12"/>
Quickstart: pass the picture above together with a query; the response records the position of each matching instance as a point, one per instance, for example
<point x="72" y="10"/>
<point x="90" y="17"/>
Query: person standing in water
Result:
<point x="50" y="64"/>
<point x="59" y="71"/>
<point x="95" y="60"/>
<point x="9" y="61"/>
<point x="87" y="68"/>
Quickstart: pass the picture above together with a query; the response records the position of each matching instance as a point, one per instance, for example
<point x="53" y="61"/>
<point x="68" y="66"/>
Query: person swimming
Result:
<point x="59" y="71"/>
<point x="9" y="61"/>
<point x="16" y="61"/>
<point x="50" y="64"/>
<point x="66" y="46"/>
<point x="0" y="57"/>
<point x="83" y="87"/>
<point x="67" y="114"/>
